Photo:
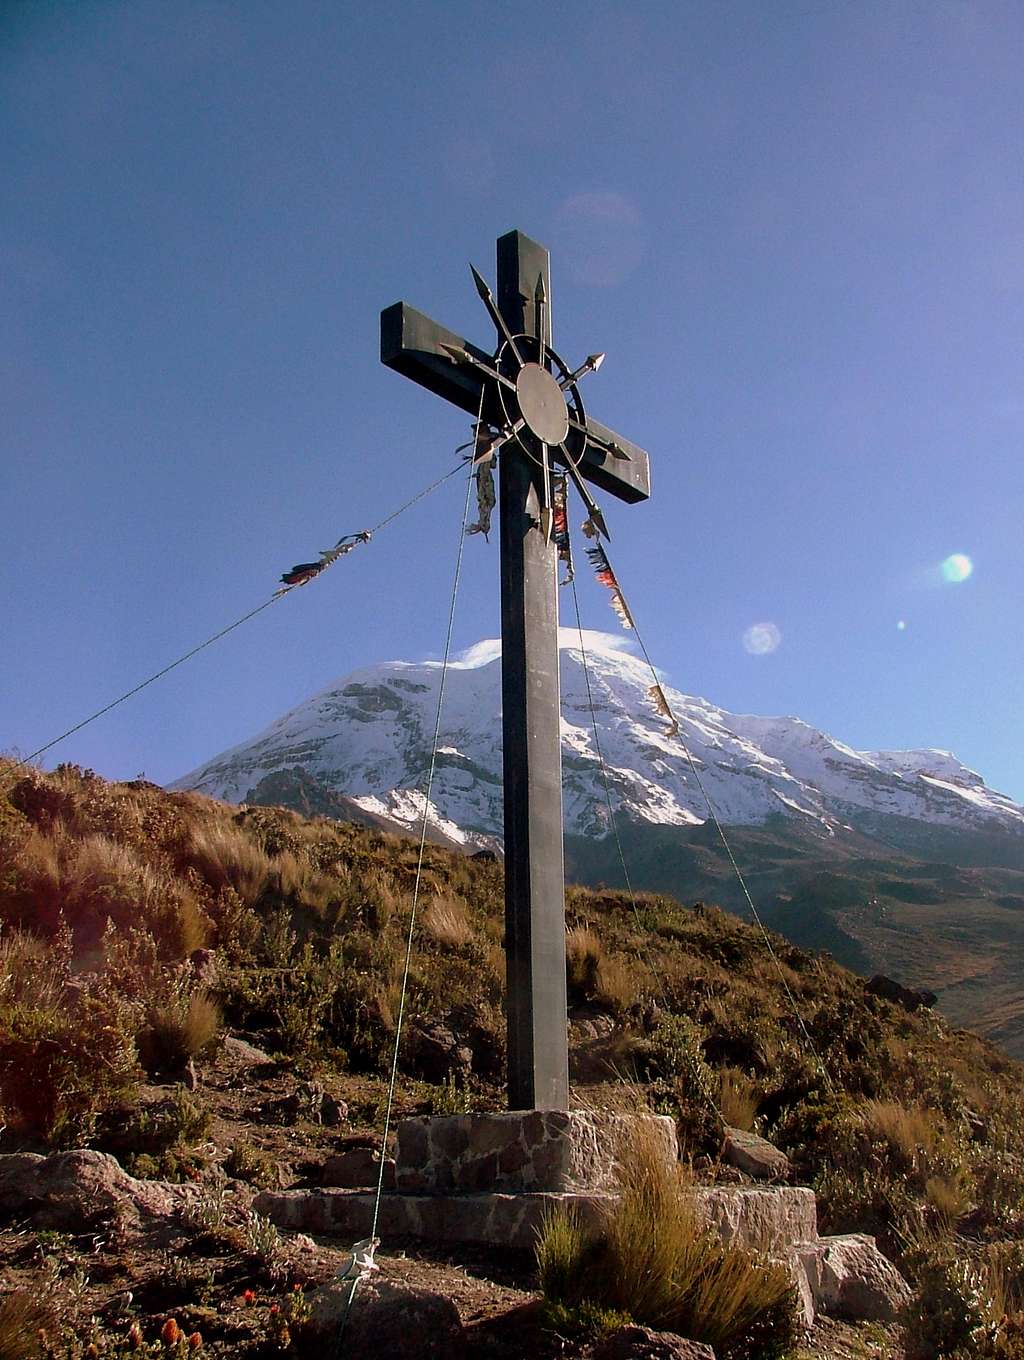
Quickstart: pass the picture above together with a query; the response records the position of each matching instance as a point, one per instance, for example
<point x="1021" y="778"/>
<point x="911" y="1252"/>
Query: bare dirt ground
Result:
<point x="215" y="1283"/>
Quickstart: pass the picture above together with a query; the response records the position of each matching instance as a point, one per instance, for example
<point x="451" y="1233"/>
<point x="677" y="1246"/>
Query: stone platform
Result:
<point x="765" y="1219"/>
<point x="521" y="1151"/>
<point x="490" y="1180"/>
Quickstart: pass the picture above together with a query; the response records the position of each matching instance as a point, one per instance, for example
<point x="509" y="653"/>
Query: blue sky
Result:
<point x="796" y="229"/>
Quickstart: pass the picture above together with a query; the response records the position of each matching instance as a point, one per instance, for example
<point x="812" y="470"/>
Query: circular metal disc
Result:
<point x="542" y="404"/>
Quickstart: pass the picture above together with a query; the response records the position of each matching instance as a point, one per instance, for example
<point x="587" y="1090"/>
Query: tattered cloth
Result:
<point x="305" y="571"/>
<point x="560" y="522"/>
<point x="661" y="705"/>
<point x="605" y="575"/>
<point x="484" y="499"/>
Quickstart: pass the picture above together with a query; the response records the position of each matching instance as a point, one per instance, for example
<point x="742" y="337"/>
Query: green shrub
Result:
<point x="61" y="1066"/>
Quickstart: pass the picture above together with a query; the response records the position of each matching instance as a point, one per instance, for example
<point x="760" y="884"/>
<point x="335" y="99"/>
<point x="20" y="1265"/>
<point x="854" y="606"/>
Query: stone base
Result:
<point x="765" y="1220"/>
<point x="520" y="1151"/>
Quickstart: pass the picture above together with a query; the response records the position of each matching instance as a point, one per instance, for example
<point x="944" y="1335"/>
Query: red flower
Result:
<point x="275" y="1308"/>
<point x="170" y="1332"/>
<point x="195" y="1341"/>
<point x="248" y="1296"/>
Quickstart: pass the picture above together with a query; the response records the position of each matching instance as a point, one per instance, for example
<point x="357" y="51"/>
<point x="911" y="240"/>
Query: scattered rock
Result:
<point x="433" y="1053"/>
<point x="357" y="1169"/>
<point x="386" y="1318"/>
<point x="333" y="1111"/>
<point x="754" y="1155"/>
<point x="850" y="1278"/>
<point x="305" y="1102"/>
<point x="591" y="1024"/>
<point x="75" y="1191"/>
<point x="204" y="966"/>
<point x="910" y="998"/>
<point x="641" y="1343"/>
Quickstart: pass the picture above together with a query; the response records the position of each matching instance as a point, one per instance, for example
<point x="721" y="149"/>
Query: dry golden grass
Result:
<point x="33" y="973"/>
<point x="738" y="1098"/>
<point x="446" y="920"/>
<point x="948" y="1196"/>
<point x="583" y="955"/>
<point x="615" y="984"/>
<point x="909" y="1130"/>
<point x="179" y="1029"/>
<point x="655" y="1260"/>
<point x="225" y="856"/>
<point x="23" y="1315"/>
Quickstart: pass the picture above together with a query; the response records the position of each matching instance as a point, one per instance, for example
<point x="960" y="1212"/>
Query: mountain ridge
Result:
<point x="368" y="736"/>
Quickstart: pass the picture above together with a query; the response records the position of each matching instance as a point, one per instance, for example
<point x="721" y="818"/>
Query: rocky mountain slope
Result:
<point x="903" y="862"/>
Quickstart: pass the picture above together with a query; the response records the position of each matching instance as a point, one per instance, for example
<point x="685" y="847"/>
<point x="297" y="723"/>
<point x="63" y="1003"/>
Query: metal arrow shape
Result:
<point x="592" y="507"/>
<point x="541" y="298"/>
<point x="488" y="300"/>
<point x="605" y="445"/>
<point x="462" y="356"/>
<point x="590" y="365"/>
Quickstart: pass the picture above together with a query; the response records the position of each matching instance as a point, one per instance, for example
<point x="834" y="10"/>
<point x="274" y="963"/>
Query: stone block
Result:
<point x="641" y="1343"/>
<point x="518" y="1151"/>
<point x="762" y="1218"/>
<point x="484" y="1220"/>
<point x="357" y="1169"/>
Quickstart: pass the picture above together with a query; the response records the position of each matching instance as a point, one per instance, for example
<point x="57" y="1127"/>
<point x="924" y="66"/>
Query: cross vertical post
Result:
<point x="532" y="408"/>
<point x="538" y="1063"/>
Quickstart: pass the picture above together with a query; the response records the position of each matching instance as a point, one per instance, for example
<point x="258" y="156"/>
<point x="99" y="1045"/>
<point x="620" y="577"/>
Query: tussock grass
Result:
<point x="226" y="857"/>
<point x="738" y="1098"/>
<point x="23" y="1315"/>
<point x="583" y="955"/>
<point x="179" y="1029"/>
<point x="654" y="1260"/>
<point x="447" y="922"/>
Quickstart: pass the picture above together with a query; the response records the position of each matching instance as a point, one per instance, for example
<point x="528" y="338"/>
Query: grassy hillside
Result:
<point x="906" y="1127"/>
<point x="948" y="916"/>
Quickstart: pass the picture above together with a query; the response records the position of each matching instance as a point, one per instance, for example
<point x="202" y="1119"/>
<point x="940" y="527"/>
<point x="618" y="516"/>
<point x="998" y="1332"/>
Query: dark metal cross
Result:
<point x="528" y="406"/>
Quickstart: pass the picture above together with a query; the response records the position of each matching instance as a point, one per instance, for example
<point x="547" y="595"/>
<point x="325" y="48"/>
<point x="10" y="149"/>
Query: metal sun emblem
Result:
<point x="539" y="405"/>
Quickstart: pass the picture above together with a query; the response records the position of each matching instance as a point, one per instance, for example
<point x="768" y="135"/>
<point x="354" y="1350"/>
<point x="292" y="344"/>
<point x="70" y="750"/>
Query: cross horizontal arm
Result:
<point x="415" y="346"/>
<point x="628" y="478"/>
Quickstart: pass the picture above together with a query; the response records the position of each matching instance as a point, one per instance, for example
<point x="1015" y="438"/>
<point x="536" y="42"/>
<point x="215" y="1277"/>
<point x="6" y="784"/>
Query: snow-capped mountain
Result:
<point x="369" y="737"/>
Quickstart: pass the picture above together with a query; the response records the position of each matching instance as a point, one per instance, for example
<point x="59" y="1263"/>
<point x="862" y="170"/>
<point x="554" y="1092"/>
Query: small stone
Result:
<point x="246" y="1054"/>
<point x="204" y="966"/>
<point x="385" y="1318"/>
<point x="641" y="1343"/>
<point x="754" y="1155"/>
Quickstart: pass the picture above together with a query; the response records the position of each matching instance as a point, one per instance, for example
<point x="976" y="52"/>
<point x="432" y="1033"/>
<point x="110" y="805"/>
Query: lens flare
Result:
<point x="956" y="568"/>
<point x="901" y="626"/>
<point x="762" y="638"/>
